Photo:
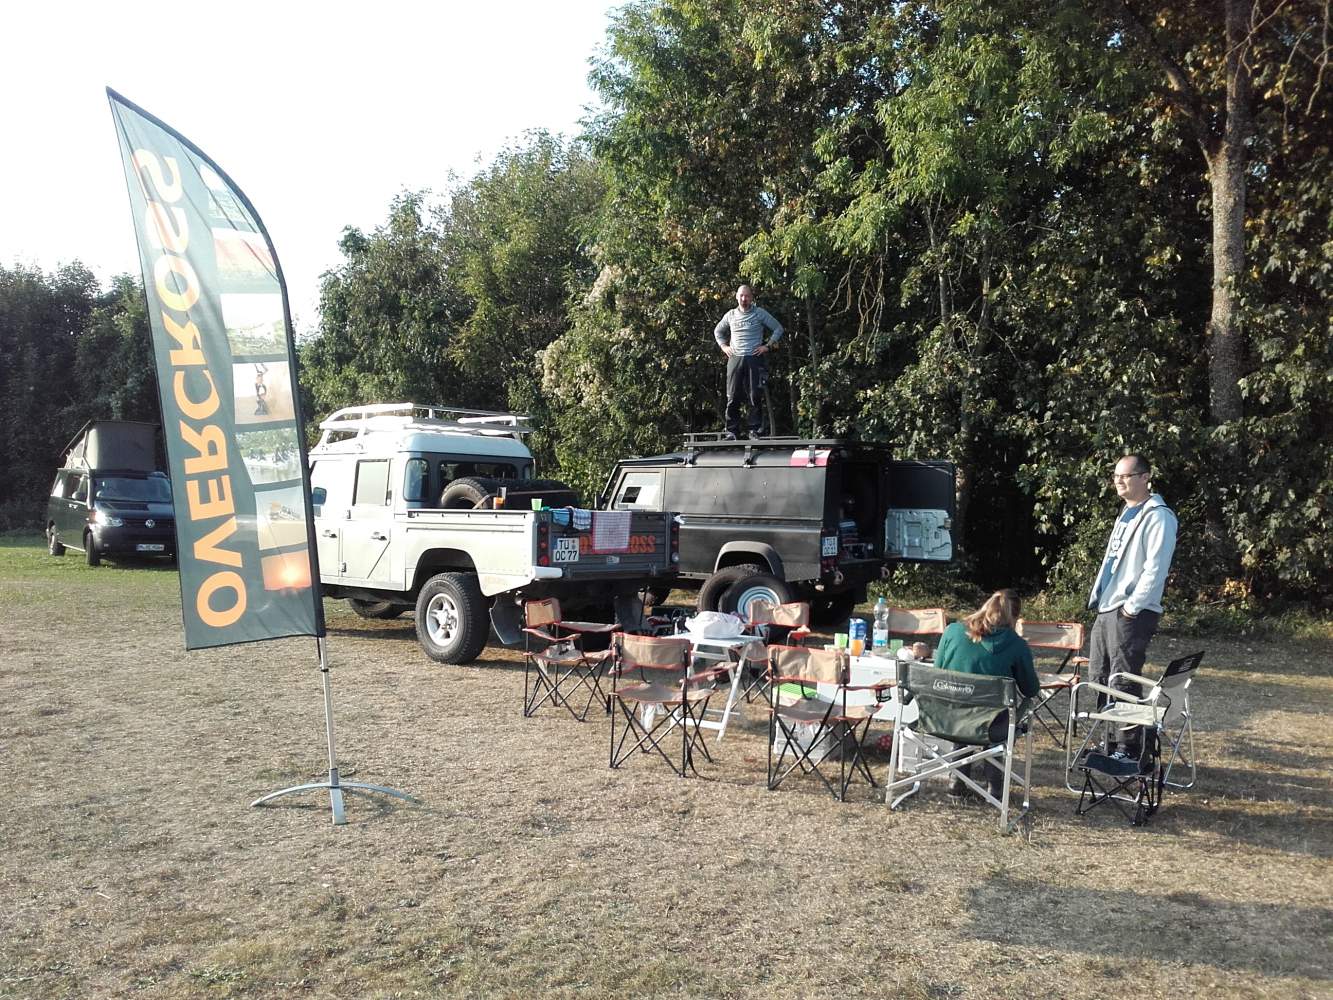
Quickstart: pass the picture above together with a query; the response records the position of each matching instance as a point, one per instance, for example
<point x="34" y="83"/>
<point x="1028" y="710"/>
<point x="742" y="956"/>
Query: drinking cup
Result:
<point x="839" y="640"/>
<point x="857" y="646"/>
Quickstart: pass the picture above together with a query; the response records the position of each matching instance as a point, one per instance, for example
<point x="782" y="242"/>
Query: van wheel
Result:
<point x="90" y="553"/>
<point x="53" y="544"/>
<point x="468" y="492"/>
<point x="378" y="610"/>
<point x="832" y="609"/>
<point x="710" y="594"/>
<point x="741" y="597"/>
<point x="452" y="624"/>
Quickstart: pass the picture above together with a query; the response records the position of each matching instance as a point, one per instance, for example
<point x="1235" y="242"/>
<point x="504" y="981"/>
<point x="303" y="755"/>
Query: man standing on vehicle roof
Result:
<point x="740" y="334"/>
<point x="1127" y="594"/>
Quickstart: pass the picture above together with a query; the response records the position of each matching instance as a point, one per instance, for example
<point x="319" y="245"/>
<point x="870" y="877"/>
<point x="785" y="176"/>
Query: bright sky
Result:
<point x="321" y="112"/>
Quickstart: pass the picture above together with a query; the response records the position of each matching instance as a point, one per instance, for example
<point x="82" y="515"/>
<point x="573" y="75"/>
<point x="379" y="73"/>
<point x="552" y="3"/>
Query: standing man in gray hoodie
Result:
<point x="740" y="334"/>
<point x="1127" y="594"/>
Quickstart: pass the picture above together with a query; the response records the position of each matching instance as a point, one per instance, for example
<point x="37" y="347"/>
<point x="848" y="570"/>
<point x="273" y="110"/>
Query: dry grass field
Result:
<point x="132" y="864"/>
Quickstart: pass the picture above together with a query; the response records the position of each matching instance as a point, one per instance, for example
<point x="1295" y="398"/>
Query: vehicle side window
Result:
<point x="81" y="490"/>
<point x="372" y="484"/>
<point x="58" y="488"/>
<point x="416" y="480"/>
<point x="330" y="483"/>
<point x="640" y="491"/>
<point x="449" y="471"/>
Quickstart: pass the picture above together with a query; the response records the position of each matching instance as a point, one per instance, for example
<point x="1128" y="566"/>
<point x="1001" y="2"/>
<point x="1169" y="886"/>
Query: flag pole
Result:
<point x="334" y="784"/>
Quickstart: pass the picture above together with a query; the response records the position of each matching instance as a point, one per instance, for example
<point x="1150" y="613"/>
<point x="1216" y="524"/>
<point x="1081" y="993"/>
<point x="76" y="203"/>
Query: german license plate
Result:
<point x="566" y="550"/>
<point x="149" y="547"/>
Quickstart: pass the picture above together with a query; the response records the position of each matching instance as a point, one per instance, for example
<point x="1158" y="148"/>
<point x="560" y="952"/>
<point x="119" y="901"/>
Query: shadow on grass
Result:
<point x="1276" y="754"/>
<point x="1300" y="828"/>
<point x="1154" y="925"/>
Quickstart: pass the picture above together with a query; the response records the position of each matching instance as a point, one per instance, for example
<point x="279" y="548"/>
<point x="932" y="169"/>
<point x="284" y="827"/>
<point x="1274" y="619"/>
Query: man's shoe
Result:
<point x="728" y="436"/>
<point x="754" y="435"/>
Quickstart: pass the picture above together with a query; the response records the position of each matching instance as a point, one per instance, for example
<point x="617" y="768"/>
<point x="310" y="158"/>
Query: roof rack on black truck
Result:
<point x="788" y="518"/>
<point x="431" y="507"/>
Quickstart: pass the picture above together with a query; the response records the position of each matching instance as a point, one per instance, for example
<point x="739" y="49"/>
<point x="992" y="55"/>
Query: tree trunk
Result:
<point x="1227" y="160"/>
<point x="963" y="441"/>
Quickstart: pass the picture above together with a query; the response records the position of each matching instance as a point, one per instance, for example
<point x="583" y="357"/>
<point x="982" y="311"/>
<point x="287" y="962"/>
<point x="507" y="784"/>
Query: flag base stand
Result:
<point x="335" y="785"/>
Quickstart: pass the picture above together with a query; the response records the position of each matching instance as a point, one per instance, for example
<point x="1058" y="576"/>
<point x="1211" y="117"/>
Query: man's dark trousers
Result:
<point x="746" y="375"/>
<point x="1119" y="644"/>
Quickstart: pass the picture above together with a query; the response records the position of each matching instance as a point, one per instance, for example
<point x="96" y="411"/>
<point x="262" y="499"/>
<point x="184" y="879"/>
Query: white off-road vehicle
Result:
<point x="436" y="508"/>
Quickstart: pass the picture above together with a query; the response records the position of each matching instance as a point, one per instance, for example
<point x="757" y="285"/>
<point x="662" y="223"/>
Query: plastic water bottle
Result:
<point x="880" y="644"/>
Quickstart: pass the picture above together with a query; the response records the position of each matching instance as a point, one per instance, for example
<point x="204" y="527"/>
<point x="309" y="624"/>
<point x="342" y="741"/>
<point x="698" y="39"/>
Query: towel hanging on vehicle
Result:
<point x="610" y="530"/>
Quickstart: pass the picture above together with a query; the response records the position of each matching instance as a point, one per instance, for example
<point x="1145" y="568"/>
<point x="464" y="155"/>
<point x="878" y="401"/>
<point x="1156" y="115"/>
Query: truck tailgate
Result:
<point x="606" y="544"/>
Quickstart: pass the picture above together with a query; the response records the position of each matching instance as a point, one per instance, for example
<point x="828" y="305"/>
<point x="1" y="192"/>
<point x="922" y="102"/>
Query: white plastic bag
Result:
<point x="714" y="625"/>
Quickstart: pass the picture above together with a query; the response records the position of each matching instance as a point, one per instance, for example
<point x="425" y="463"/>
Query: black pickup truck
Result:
<point x="782" y="518"/>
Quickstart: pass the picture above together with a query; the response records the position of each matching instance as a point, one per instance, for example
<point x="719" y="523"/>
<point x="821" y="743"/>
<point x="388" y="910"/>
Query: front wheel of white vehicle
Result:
<point x="452" y="624"/>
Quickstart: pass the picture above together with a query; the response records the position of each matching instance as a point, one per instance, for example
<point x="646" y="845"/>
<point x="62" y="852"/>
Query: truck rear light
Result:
<point x="543" y="560"/>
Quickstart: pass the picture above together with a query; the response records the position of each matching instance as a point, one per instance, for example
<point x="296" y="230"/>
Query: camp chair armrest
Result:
<point x="1125" y="675"/>
<point x="1110" y="691"/>
<point x="589" y="628"/>
<point x="877" y="687"/>
<point x="539" y="632"/>
<point x="711" y="673"/>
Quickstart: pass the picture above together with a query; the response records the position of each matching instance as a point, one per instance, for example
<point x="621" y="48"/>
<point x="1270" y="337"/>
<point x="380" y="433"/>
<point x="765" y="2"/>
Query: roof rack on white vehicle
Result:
<point x="356" y="421"/>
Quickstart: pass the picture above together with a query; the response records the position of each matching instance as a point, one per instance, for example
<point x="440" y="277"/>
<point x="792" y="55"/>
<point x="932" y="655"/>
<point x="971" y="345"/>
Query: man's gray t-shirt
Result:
<point x="746" y="329"/>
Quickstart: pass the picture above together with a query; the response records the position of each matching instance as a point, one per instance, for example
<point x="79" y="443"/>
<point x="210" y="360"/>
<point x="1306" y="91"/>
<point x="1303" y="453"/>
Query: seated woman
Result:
<point x="985" y="643"/>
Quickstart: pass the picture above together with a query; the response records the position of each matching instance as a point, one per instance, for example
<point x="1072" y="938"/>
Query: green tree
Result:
<point x="69" y="353"/>
<point x="386" y="316"/>
<point x="41" y="319"/>
<point x="517" y="240"/>
<point x="113" y="361"/>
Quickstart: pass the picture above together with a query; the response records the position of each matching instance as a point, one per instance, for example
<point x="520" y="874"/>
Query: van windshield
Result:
<point x="150" y="489"/>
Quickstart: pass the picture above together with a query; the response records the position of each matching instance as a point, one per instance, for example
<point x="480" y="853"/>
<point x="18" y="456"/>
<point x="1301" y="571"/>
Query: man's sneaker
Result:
<point x="754" y="435"/>
<point x="728" y="436"/>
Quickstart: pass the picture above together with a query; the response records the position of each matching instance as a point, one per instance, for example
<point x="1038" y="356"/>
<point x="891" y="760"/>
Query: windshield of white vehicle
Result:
<point x="150" y="489"/>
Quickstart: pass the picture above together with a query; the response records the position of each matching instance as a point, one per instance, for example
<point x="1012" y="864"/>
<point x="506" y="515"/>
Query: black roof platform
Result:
<point x="715" y="439"/>
<point x="711" y="448"/>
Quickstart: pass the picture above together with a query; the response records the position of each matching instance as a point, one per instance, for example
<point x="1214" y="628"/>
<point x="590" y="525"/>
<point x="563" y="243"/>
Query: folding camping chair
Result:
<point x="1161" y="714"/>
<point x="569" y="664"/>
<point x="1052" y="640"/>
<point x="777" y="625"/>
<point x="918" y="624"/>
<point x="656" y="689"/>
<point x="812" y="719"/>
<point x="959" y="708"/>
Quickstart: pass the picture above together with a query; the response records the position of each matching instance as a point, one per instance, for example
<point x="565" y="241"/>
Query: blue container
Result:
<point x="856" y="629"/>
